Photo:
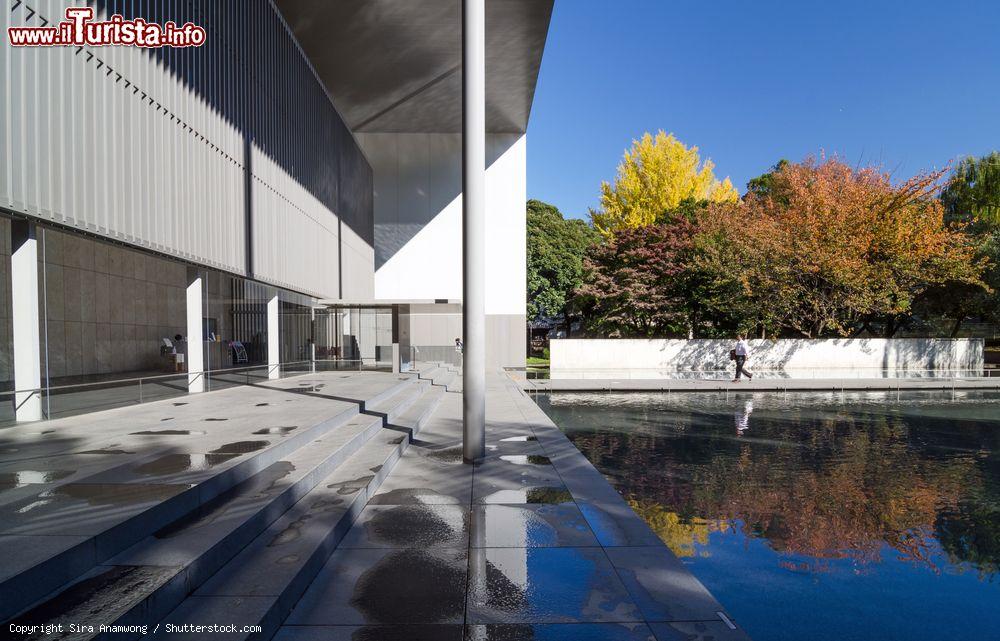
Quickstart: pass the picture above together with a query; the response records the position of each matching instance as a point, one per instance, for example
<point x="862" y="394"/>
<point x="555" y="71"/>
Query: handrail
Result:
<point x="190" y="376"/>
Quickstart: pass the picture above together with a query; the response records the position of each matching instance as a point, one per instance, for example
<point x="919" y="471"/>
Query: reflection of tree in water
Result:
<point x="681" y="535"/>
<point x="972" y="534"/>
<point x="828" y="485"/>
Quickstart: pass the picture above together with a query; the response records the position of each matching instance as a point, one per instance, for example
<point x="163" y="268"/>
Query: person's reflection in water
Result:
<point x="743" y="417"/>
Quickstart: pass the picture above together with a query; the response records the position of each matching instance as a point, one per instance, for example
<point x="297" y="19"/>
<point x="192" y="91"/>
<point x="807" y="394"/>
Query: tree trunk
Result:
<point x="890" y="328"/>
<point x="957" y="326"/>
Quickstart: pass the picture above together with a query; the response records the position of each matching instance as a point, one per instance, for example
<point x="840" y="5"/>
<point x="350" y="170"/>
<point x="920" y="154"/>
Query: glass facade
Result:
<point x="113" y="327"/>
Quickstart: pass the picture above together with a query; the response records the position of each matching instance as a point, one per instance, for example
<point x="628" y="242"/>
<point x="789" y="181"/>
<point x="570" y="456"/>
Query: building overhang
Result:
<point x="394" y="66"/>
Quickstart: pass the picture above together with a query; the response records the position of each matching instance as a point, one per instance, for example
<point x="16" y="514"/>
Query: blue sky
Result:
<point x="908" y="85"/>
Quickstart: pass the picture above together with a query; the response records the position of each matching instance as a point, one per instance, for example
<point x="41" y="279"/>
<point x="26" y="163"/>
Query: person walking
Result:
<point x="740" y="353"/>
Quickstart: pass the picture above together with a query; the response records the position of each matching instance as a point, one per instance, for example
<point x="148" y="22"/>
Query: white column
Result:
<point x="195" y="356"/>
<point x="312" y="343"/>
<point x="273" y="339"/>
<point x="474" y="228"/>
<point x="24" y="301"/>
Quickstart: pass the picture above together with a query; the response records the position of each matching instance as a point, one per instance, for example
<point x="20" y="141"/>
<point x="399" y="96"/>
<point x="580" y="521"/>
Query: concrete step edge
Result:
<point x="387" y="449"/>
<point x="396" y="405"/>
<point x="429" y="373"/>
<point x="417" y="415"/>
<point x="163" y="598"/>
<point x="37" y="583"/>
<point x="403" y="384"/>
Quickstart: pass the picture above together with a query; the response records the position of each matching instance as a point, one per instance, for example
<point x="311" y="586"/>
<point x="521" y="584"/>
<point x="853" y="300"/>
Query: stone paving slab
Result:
<point x="92" y="486"/>
<point x="697" y="631"/>
<point x="31" y="550"/>
<point x="410" y="526"/>
<point x="284" y="559"/>
<point x="494" y="632"/>
<point x="561" y="632"/>
<point x="385" y="586"/>
<point x="530" y="526"/>
<point x="554" y="552"/>
<point x="546" y="585"/>
<point x="234" y="611"/>
<point x="413" y="632"/>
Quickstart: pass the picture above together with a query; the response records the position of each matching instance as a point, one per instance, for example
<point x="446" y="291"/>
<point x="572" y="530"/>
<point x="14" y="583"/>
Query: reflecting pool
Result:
<point x="815" y="516"/>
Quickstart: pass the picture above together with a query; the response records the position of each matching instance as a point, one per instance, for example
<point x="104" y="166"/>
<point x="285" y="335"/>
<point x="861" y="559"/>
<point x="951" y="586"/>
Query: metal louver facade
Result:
<point x="230" y="155"/>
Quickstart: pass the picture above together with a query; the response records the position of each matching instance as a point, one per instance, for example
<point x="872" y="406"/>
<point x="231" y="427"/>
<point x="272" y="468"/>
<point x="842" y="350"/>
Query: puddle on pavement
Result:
<point x="352" y="486"/>
<point x="412" y="585"/>
<point x="240" y="447"/>
<point x="526" y="459"/>
<point x="419" y="526"/>
<point x="105" y="494"/>
<point x="281" y="431"/>
<point x="540" y="494"/>
<point x="168" y="433"/>
<point x="413" y="495"/>
<point x="325" y="504"/>
<point x="448" y="455"/>
<point x="177" y="463"/>
<point x="20" y="478"/>
<point x="291" y="533"/>
<point x="107" y="450"/>
<point x="518" y="439"/>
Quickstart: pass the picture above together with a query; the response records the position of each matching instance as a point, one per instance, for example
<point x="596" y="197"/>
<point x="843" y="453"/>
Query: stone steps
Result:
<point x="396" y="405"/>
<point x="116" y="524"/>
<point x="429" y="371"/>
<point x="443" y="375"/>
<point x="262" y="584"/>
<point x="164" y="556"/>
<point x="417" y="415"/>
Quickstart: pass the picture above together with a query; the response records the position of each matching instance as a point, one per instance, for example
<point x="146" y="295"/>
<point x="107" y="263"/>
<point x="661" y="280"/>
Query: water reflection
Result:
<point x="743" y="417"/>
<point x="872" y="491"/>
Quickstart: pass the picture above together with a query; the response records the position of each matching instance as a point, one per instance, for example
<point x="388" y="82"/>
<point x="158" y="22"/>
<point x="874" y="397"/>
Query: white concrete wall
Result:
<point x="570" y="357"/>
<point x="418" y="217"/>
<point x="418" y="228"/>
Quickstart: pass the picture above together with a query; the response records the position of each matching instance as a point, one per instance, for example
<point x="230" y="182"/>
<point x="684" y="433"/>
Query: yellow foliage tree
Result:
<point x="656" y="176"/>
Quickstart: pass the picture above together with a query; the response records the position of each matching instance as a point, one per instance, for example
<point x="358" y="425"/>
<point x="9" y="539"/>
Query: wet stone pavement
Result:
<point x="531" y="543"/>
<point x="77" y="491"/>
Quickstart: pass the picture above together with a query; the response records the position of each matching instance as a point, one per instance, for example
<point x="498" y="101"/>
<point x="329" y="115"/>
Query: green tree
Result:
<point x="972" y="194"/>
<point x="556" y="248"/>
<point x="971" y="200"/>
<point x="637" y="284"/>
<point x="763" y="185"/>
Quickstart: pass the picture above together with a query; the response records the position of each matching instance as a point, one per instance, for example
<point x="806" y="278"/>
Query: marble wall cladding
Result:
<point x="105" y="307"/>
